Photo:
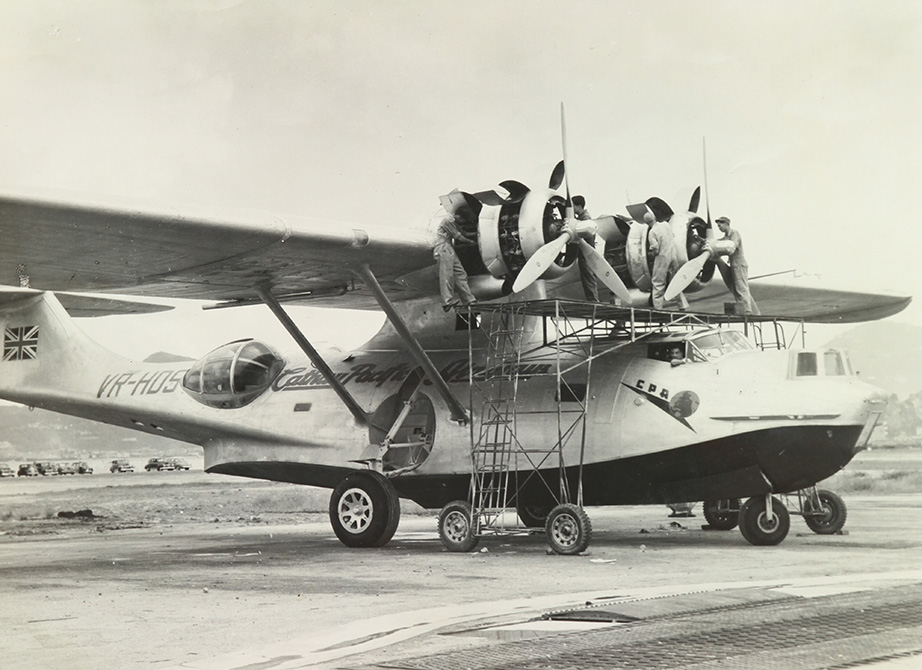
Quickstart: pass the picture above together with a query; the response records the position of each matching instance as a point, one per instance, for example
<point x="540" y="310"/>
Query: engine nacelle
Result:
<point x="510" y="233"/>
<point x="632" y="260"/>
<point x="510" y="228"/>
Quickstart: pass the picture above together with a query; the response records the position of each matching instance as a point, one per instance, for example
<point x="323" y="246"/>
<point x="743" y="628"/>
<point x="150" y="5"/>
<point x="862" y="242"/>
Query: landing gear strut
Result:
<point x="364" y="509"/>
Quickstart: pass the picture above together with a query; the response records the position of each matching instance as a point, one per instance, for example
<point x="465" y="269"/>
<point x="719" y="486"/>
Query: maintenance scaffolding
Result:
<point x="572" y="334"/>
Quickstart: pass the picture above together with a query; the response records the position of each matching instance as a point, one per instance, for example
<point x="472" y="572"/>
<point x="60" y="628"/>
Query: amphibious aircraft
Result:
<point x="398" y="416"/>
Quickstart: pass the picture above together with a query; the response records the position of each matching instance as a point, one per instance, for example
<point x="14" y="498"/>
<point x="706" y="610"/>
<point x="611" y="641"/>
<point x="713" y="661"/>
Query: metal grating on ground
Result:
<point x="724" y="638"/>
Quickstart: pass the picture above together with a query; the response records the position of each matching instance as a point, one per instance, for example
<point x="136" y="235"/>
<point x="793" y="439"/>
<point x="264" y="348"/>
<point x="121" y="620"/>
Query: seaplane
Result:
<point x="464" y="411"/>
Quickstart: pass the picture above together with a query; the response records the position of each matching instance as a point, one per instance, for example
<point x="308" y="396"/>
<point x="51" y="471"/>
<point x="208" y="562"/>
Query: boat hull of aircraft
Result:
<point x="743" y="424"/>
<point x="776" y="460"/>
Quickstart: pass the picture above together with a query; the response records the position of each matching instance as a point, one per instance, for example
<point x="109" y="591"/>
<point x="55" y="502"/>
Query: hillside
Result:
<point x="886" y="354"/>
<point x="31" y="435"/>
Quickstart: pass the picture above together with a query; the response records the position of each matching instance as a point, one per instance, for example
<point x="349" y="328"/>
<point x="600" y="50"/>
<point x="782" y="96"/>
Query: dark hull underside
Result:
<point x="775" y="460"/>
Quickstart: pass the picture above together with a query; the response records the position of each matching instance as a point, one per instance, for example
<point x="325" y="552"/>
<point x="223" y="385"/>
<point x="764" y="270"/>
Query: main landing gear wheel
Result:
<point x="758" y="528"/>
<point x="831" y="515"/>
<point x="456" y="529"/>
<point x="364" y="509"/>
<point x="533" y="516"/>
<point x="722" y="514"/>
<point x="568" y="529"/>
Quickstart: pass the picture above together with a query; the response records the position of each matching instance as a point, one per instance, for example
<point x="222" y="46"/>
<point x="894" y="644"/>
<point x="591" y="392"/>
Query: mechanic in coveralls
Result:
<point x="731" y="245"/>
<point x="586" y="275"/>
<point x="661" y="243"/>
<point x="452" y="276"/>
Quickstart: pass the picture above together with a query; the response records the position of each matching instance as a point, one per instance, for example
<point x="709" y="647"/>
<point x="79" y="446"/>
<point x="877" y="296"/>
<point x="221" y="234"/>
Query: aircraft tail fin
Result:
<point x="44" y="356"/>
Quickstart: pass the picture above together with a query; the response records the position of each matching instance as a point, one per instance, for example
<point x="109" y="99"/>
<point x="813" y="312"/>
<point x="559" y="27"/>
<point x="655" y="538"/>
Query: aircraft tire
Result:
<point x="533" y="516"/>
<point x="456" y="528"/>
<point x="364" y="509"/>
<point x="568" y="529"/>
<point x="755" y="526"/>
<point x="830" y="519"/>
<point x="726" y="517"/>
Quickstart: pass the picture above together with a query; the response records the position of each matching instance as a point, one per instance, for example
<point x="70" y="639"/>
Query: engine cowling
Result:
<point x="510" y="233"/>
<point x="509" y="229"/>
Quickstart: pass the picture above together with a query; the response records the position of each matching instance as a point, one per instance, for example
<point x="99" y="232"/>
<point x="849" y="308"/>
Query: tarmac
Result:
<point x="263" y="592"/>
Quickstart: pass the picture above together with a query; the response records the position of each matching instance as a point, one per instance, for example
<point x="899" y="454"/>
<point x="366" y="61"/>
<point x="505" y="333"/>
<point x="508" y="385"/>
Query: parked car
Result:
<point x="179" y="464"/>
<point x="65" y="468"/>
<point x="159" y="464"/>
<point x="81" y="468"/>
<point x="121" y="465"/>
<point x="28" y="470"/>
<point x="6" y="470"/>
<point x="46" y="468"/>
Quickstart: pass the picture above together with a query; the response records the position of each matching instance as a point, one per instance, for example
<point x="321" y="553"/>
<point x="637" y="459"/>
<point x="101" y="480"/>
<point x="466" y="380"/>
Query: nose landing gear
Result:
<point x="764" y="521"/>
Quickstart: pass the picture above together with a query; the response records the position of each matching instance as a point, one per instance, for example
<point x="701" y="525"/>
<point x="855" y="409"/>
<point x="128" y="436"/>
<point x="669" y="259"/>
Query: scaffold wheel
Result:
<point x="456" y="529"/>
<point x="568" y="529"/>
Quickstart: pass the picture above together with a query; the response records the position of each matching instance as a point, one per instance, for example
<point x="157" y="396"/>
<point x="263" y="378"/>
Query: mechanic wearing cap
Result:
<point x="452" y="276"/>
<point x="661" y="242"/>
<point x="731" y="245"/>
<point x="586" y="275"/>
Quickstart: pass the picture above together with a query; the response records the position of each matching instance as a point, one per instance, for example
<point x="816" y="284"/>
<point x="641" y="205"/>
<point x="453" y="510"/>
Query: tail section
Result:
<point x="47" y="361"/>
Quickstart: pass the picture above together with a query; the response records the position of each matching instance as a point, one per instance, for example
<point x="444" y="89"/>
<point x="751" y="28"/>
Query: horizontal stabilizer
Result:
<point x="85" y="305"/>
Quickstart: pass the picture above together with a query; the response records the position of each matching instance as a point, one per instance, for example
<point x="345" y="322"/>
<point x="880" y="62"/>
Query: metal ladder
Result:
<point x="493" y="437"/>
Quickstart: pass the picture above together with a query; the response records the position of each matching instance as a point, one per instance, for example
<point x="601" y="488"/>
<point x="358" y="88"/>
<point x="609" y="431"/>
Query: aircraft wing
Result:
<point x="803" y="296"/>
<point x="207" y="256"/>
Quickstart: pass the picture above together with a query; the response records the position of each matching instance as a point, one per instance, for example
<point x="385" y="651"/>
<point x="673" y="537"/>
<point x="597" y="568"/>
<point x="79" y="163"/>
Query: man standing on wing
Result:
<point x="452" y="276"/>
<point x="731" y="245"/>
<point x="661" y="243"/>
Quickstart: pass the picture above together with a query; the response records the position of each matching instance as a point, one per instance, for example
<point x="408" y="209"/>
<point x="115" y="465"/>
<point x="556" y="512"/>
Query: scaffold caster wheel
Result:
<point x="758" y="528"/>
<point x="568" y="529"/>
<point x="831" y="515"/>
<point x="456" y="529"/>
<point x="722" y="514"/>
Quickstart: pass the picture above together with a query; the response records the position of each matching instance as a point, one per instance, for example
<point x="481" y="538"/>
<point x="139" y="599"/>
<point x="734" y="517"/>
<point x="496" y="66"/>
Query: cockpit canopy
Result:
<point x="233" y="375"/>
<point x="698" y="347"/>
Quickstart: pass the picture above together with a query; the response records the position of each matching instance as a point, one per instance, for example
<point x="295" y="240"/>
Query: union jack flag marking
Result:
<point x="20" y="344"/>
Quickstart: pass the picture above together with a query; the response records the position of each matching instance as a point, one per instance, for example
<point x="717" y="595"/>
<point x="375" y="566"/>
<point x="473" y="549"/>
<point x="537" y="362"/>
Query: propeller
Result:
<point x="687" y="273"/>
<point x="606" y="226"/>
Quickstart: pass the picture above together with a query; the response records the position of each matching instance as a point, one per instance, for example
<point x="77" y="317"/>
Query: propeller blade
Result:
<point x="566" y="179"/>
<point x="695" y="200"/>
<point x="685" y="276"/>
<point x="605" y="272"/>
<point x="539" y="262"/>
<point x="557" y="176"/>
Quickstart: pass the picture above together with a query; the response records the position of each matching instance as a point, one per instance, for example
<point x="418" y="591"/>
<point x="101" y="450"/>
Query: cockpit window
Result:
<point x="233" y="375"/>
<point x="832" y="364"/>
<point x="829" y="363"/>
<point x="806" y="364"/>
<point x="716" y="344"/>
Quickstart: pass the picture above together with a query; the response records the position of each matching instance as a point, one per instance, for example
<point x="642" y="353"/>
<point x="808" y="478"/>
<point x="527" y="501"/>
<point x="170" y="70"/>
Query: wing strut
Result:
<point x="361" y="416"/>
<point x="457" y="410"/>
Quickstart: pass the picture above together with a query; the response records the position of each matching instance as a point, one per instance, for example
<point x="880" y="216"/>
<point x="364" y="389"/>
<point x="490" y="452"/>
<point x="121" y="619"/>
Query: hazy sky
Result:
<point x="368" y="111"/>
